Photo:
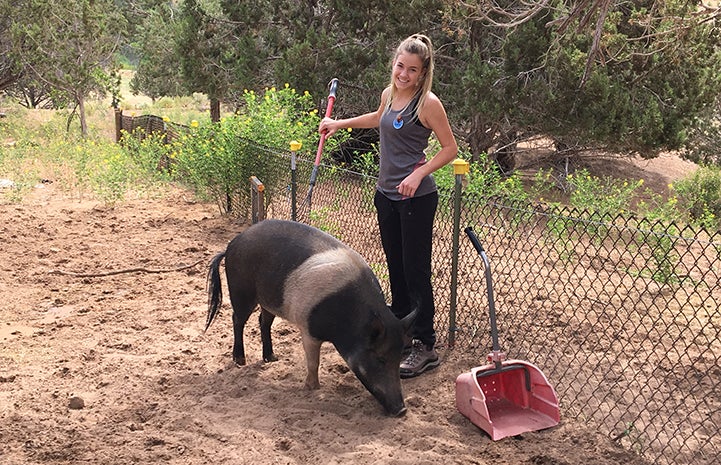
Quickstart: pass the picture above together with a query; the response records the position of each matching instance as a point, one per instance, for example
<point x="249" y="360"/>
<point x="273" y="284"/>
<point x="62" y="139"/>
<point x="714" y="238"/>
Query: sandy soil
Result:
<point x="116" y="369"/>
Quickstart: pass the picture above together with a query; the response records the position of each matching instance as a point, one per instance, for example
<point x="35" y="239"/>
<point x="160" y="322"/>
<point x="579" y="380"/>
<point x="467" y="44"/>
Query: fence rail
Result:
<point x="622" y="313"/>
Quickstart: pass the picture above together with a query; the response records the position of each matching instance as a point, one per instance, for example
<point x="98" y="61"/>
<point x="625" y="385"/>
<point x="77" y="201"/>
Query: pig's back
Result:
<point x="291" y="267"/>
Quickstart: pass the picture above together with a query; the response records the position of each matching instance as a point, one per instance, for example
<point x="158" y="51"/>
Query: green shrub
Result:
<point x="483" y="180"/>
<point x="150" y="152"/>
<point x="700" y="195"/>
<point x="217" y="160"/>
<point x="602" y="195"/>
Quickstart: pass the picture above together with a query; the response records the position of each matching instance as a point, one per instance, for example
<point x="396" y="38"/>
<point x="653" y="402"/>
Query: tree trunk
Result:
<point x="83" y="119"/>
<point x="479" y="138"/>
<point x="505" y="153"/>
<point x="214" y="110"/>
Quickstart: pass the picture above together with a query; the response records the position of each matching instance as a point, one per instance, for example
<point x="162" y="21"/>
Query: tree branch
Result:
<point x="128" y="270"/>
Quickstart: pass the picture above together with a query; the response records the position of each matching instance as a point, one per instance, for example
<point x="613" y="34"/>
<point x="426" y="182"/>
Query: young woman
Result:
<point x="406" y="197"/>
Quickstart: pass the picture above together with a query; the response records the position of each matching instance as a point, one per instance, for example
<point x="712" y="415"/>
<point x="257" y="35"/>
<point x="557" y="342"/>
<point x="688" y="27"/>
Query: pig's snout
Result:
<point x="398" y="412"/>
<point x="387" y="391"/>
<point x="394" y="407"/>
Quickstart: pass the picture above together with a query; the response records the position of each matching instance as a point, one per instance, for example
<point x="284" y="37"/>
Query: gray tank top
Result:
<point x="402" y="150"/>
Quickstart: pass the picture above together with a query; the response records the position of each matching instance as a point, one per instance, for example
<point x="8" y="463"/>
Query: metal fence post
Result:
<point x="460" y="168"/>
<point x="294" y="147"/>
<point x="257" y="199"/>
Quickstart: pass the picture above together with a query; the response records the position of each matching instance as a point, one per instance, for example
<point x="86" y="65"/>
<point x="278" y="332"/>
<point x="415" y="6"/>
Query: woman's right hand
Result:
<point x="328" y="127"/>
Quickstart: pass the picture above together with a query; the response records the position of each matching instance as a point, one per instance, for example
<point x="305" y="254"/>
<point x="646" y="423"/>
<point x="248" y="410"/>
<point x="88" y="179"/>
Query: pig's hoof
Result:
<point x="312" y="386"/>
<point x="270" y="358"/>
<point x="239" y="362"/>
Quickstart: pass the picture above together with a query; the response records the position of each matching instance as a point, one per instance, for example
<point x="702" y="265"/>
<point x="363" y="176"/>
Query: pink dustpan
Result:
<point x="506" y="397"/>
<point x="509" y="401"/>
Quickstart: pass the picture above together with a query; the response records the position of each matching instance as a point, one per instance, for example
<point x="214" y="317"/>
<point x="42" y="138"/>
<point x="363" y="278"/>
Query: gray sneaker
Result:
<point x="421" y="359"/>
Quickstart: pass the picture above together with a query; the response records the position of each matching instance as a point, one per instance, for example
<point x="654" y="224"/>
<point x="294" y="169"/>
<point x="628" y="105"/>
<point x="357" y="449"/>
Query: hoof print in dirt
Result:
<point x="76" y="403"/>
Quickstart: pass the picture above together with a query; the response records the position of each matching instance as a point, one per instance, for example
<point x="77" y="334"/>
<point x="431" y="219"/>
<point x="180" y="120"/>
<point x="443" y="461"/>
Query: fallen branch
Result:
<point x="129" y="270"/>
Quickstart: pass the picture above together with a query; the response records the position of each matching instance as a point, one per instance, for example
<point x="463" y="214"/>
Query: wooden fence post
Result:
<point x="118" y="124"/>
<point x="257" y="196"/>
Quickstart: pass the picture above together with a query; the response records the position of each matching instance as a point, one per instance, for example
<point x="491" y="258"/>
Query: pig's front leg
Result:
<point x="312" y="360"/>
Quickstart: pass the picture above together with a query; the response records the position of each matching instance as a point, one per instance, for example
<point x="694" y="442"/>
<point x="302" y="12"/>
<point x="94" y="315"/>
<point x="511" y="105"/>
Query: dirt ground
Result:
<point x="116" y="368"/>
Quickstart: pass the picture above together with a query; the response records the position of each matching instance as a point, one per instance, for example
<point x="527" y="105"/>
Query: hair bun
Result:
<point x="423" y="38"/>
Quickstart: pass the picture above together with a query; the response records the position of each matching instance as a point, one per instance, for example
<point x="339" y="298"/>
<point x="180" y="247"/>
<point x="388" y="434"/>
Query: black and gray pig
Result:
<point x="324" y="287"/>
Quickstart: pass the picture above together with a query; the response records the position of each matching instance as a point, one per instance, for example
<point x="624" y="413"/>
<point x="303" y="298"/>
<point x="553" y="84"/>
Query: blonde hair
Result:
<point x="417" y="44"/>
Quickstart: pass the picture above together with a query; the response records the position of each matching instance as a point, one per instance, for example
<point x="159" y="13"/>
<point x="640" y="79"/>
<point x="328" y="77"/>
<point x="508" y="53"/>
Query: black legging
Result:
<point x="406" y="228"/>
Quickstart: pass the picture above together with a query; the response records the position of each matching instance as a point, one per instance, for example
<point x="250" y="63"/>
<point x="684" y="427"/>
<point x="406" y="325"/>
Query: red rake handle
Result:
<point x="329" y="109"/>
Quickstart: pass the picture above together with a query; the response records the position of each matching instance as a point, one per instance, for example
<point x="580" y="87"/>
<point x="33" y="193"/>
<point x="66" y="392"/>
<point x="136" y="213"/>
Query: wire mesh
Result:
<point x="622" y="313"/>
<point x="149" y="124"/>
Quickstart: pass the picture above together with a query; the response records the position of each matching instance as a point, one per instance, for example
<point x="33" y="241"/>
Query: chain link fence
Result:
<point x="621" y="313"/>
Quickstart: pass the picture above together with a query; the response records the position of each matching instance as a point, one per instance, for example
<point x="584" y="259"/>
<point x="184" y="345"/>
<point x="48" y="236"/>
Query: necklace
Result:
<point x="398" y="122"/>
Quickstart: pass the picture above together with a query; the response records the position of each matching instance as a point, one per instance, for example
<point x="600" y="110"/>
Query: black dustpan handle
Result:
<point x="489" y="286"/>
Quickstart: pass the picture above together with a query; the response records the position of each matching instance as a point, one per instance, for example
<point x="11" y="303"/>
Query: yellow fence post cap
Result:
<point x="460" y="166"/>
<point x="295" y="145"/>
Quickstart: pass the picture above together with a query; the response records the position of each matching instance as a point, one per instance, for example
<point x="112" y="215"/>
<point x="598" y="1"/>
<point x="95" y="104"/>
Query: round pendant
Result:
<point x="398" y="123"/>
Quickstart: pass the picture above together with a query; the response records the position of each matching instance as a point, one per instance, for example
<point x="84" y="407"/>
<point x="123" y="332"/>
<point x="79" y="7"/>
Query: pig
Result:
<point x="325" y="288"/>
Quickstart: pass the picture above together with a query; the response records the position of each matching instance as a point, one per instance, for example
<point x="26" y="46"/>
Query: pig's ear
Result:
<point x="378" y="329"/>
<point x="407" y="321"/>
